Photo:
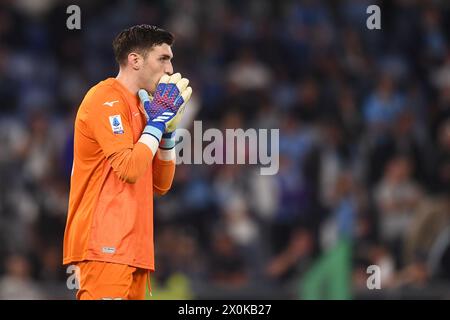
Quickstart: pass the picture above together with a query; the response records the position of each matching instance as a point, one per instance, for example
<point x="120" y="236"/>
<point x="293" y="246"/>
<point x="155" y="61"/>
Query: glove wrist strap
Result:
<point x="167" y="141"/>
<point x="154" y="130"/>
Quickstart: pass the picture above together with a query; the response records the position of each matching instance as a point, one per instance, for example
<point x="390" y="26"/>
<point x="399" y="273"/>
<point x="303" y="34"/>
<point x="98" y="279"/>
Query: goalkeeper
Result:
<point x="123" y="153"/>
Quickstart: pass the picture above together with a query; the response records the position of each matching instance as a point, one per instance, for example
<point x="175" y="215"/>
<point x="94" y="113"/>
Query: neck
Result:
<point x="127" y="81"/>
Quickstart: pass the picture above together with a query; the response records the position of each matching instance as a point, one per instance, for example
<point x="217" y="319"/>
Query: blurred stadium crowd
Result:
<point x="364" y="143"/>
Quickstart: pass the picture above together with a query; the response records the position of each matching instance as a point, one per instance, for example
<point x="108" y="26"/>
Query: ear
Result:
<point x="134" y="60"/>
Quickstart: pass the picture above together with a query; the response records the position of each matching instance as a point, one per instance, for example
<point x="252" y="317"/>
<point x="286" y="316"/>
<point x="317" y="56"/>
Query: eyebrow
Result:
<point x="166" y="56"/>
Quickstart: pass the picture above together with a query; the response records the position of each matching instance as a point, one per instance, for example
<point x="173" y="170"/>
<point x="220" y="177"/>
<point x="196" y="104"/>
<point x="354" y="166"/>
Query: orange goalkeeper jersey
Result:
<point x="110" y="216"/>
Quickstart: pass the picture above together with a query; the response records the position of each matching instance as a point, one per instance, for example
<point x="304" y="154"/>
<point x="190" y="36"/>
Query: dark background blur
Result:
<point x="364" y="146"/>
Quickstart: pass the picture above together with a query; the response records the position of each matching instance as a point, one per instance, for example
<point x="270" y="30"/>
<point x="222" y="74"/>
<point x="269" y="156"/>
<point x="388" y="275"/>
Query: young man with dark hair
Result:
<point x="123" y="152"/>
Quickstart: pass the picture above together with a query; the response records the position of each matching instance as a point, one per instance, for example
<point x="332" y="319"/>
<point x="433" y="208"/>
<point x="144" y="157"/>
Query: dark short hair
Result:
<point x="140" y="38"/>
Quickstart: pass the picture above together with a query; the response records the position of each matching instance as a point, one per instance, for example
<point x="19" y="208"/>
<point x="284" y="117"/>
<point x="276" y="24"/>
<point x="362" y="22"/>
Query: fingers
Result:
<point x="143" y="95"/>
<point x="186" y="94"/>
<point x="175" y="78"/>
<point x="182" y="84"/>
<point x="145" y="100"/>
<point x="164" y="79"/>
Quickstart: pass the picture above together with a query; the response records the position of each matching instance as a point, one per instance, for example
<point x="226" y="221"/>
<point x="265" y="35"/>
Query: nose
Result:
<point x="169" y="68"/>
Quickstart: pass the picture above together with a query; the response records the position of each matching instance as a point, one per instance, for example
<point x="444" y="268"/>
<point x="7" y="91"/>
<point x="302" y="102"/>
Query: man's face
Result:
<point x="156" y="64"/>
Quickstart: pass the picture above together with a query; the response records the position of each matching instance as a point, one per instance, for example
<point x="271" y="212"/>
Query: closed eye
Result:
<point x="165" y="58"/>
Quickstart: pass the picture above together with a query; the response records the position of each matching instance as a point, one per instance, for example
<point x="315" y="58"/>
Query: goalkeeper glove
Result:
<point x="169" y="97"/>
<point x="173" y="123"/>
<point x="168" y="137"/>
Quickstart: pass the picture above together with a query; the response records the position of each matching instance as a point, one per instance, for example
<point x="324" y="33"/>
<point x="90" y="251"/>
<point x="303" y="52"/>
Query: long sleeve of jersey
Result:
<point x="163" y="171"/>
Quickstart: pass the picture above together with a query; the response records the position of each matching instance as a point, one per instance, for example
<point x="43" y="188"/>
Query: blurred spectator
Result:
<point x="342" y="220"/>
<point x="227" y="265"/>
<point x="442" y="169"/>
<point x="248" y="74"/>
<point x="383" y="107"/>
<point x="39" y="150"/>
<point x="396" y="197"/>
<point x="292" y="261"/>
<point x="431" y="218"/>
<point x="16" y="283"/>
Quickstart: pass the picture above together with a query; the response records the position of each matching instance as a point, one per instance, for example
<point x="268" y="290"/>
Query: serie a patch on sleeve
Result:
<point x="116" y="124"/>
